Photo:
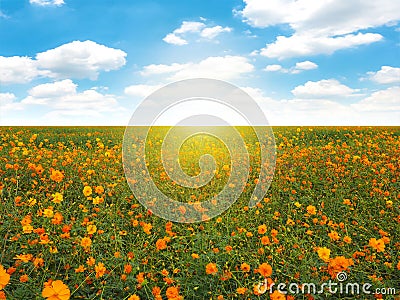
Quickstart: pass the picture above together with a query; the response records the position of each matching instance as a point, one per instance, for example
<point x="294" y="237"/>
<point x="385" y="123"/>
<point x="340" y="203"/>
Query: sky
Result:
<point x="305" y="62"/>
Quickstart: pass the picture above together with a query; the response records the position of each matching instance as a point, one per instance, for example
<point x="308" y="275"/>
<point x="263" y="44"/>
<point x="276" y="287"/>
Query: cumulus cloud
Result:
<point x="383" y="100"/>
<point x="172" y="38"/>
<point x="381" y="108"/>
<point x="17" y="69"/>
<point x="72" y="60"/>
<point x="321" y="27"/>
<point x="47" y="2"/>
<point x="64" y="95"/>
<point x="273" y="68"/>
<point x="306" y="45"/>
<point x="323" y="88"/>
<point x="299" y="67"/>
<point x="178" y="36"/>
<point x="306" y="65"/>
<point x="80" y="60"/>
<point x="386" y="75"/>
<point x="217" y="67"/>
<point x="212" y="32"/>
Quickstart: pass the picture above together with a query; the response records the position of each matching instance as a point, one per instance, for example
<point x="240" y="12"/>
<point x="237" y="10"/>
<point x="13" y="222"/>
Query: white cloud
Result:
<point x="299" y="67"/>
<point x="47" y="2"/>
<point x="80" y="60"/>
<point x="306" y="65"/>
<point x="6" y="99"/>
<point x="178" y="36"/>
<point x="273" y="68"/>
<point x="72" y="60"/>
<point x="155" y="69"/>
<point x="378" y="109"/>
<point x="212" y="32"/>
<point x="17" y="69"/>
<point x="141" y="90"/>
<point x="320" y="27"/>
<point x="63" y="95"/>
<point x="172" y="38"/>
<point x="217" y="67"/>
<point x="383" y="100"/>
<point x="386" y="75"/>
<point x="323" y="88"/>
<point x="306" y="45"/>
<point x="188" y="26"/>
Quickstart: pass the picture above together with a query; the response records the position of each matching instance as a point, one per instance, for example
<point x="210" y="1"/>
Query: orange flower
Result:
<point x="211" y="269"/>
<point x="134" y="297"/>
<point x="56" y="176"/>
<point x="398" y="265"/>
<point x="245" y="267"/>
<point x="265" y="240"/>
<point x="86" y="242"/>
<point x="24" y="257"/>
<point x="24" y="278"/>
<point x="99" y="189"/>
<point x="127" y="268"/>
<point x="57" y="219"/>
<point x="100" y="270"/>
<point x="172" y="292"/>
<point x="147" y="228"/>
<point x="276" y="295"/>
<point x="347" y="239"/>
<point x="195" y="256"/>
<point x="378" y="245"/>
<point x="161" y="244"/>
<point x="241" y="290"/>
<point x="333" y="235"/>
<point x="4" y="277"/>
<point x="80" y="269"/>
<point x="324" y="253"/>
<point x="311" y="210"/>
<point x="262" y="229"/>
<point x="265" y="270"/>
<point x="87" y="191"/>
<point x="57" y="290"/>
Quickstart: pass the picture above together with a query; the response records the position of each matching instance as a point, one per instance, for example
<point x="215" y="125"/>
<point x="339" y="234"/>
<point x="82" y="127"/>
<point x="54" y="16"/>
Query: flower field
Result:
<point x="71" y="228"/>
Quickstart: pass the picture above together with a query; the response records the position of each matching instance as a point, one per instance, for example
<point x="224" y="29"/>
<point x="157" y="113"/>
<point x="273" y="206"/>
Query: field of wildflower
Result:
<point x="71" y="229"/>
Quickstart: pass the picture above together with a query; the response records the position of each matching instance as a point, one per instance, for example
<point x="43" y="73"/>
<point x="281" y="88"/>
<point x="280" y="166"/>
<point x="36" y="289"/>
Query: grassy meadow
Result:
<point x="71" y="228"/>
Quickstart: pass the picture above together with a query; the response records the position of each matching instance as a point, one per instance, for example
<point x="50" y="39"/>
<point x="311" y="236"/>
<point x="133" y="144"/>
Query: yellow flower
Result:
<point x="4" y="278"/>
<point x="57" y="198"/>
<point x="324" y="253"/>
<point x="134" y="297"/>
<point x="48" y="213"/>
<point x="56" y="291"/>
<point x="91" y="229"/>
<point x="87" y="191"/>
<point x="27" y="228"/>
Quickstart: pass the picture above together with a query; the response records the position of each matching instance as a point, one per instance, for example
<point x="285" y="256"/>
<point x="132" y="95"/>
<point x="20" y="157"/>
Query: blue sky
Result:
<point x="70" y="62"/>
